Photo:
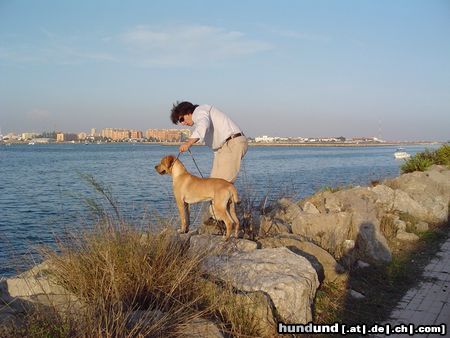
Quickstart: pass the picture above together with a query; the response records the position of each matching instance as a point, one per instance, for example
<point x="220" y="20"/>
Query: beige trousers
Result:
<point x="227" y="159"/>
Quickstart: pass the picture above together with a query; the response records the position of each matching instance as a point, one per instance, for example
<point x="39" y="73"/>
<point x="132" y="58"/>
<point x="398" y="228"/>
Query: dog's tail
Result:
<point x="234" y="195"/>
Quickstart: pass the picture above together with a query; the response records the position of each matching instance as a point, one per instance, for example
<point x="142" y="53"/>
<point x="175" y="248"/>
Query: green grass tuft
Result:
<point x="422" y="161"/>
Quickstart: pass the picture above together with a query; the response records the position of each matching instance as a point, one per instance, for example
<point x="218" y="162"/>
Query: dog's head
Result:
<point x="165" y="166"/>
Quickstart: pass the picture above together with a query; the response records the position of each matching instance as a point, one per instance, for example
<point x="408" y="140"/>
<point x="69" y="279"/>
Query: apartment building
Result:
<point x="164" y="135"/>
<point x="66" y="137"/>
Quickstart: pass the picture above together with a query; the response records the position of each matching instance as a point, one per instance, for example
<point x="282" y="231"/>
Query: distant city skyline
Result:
<point x="298" y="68"/>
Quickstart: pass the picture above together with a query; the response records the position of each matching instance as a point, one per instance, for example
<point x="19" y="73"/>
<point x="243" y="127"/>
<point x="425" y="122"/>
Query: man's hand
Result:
<point x="184" y="147"/>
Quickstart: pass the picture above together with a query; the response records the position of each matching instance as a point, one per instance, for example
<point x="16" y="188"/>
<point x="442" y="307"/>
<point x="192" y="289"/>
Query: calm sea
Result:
<point x="42" y="192"/>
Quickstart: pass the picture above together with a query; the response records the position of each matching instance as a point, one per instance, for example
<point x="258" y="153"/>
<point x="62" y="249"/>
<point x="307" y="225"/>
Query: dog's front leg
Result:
<point x="183" y="209"/>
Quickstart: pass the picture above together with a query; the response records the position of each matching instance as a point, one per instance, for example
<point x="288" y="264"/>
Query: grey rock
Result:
<point x="362" y="265"/>
<point x="406" y="236"/>
<point x="390" y="199"/>
<point x="200" y="328"/>
<point x="310" y="208"/>
<point x="216" y="245"/>
<point x="372" y="245"/>
<point x="348" y="245"/>
<point x="289" y="279"/>
<point x="431" y="193"/>
<point x="421" y="226"/>
<point x="400" y="225"/>
<point x="356" y="294"/>
<point x="286" y="210"/>
<point x="328" y="231"/>
<point x="270" y="226"/>
<point x="326" y="266"/>
<point x="332" y="203"/>
<point x="19" y="292"/>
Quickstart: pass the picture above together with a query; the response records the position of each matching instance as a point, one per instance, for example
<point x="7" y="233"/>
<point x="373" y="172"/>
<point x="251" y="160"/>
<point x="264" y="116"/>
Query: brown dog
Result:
<point x="189" y="189"/>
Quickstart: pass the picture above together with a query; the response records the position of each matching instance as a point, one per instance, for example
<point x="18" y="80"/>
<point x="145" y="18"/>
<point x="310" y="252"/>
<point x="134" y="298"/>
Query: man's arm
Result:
<point x="186" y="145"/>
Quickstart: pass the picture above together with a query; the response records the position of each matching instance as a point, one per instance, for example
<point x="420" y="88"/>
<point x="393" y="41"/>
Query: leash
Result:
<point x="195" y="162"/>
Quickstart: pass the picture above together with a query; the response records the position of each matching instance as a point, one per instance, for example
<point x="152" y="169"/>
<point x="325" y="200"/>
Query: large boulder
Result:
<point x="395" y="199"/>
<point x="429" y="189"/>
<point x="289" y="279"/>
<point x="326" y="266"/>
<point x="328" y="231"/>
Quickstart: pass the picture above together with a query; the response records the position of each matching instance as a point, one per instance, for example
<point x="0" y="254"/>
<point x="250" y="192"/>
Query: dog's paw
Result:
<point x="181" y="231"/>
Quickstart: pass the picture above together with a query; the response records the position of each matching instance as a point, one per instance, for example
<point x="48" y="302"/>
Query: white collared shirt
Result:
<point x="212" y="126"/>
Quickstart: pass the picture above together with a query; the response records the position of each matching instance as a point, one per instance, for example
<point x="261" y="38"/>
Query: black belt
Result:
<point x="233" y="136"/>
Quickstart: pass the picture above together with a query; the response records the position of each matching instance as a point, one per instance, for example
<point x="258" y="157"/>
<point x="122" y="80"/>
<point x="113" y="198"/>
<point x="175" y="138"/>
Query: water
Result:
<point x="42" y="194"/>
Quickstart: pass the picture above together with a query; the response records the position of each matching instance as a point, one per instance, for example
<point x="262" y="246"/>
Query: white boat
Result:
<point x="400" y="153"/>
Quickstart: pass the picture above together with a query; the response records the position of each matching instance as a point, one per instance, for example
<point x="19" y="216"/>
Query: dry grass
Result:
<point x="127" y="285"/>
<point x="132" y="284"/>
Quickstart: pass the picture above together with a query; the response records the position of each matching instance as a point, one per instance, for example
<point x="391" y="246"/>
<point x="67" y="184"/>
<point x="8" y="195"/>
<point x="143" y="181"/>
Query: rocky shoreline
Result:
<point x="290" y="248"/>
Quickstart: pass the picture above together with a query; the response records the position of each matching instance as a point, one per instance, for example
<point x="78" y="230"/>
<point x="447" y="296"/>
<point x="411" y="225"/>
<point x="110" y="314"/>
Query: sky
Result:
<point x="280" y="68"/>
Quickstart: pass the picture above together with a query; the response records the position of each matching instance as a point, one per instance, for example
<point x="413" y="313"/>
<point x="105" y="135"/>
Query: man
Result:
<point x="218" y="132"/>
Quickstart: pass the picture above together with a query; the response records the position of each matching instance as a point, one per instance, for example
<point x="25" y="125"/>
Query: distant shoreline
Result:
<point x="254" y="144"/>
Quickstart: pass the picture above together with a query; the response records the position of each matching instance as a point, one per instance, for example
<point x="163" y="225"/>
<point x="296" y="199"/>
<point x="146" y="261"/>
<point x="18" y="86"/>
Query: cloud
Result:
<point x="174" y="46"/>
<point x="302" y="35"/>
<point x="188" y="45"/>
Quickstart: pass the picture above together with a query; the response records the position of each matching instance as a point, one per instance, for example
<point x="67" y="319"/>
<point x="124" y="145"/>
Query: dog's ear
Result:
<point x="168" y="162"/>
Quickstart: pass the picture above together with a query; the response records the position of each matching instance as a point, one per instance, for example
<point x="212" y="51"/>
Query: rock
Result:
<point x="406" y="236"/>
<point x="260" y="307"/>
<point x="310" y="208"/>
<point x="390" y="199"/>
<point x="286" y="210"/>
<point x="326" y="266"/>
<point x="19" y="292"/>
<point x="400" y="225"/>
<point x="329" y="231"/>
<point x="348" y="245"/>
<point x="197" y="327"/>
<point x="421" y="226"/>
<point x="431" y="193"/>
<point x="143" y="318"/>
<point x="356" y="294"/>
<point x="442" y="181"/>
<point x="289" y="280"/>
<point x="187" y="236"/>
<point x="362" y="265"/>
<point x="256" y="307"/>
<point x="371" y="245"/>
<point x="216" y="245"/>
<point x="272" y="226"/>
<point x="211" y="227"/>
<point x="332" y="203"/>
<point x="38" y="271"/>
<point x="200" y="328"/>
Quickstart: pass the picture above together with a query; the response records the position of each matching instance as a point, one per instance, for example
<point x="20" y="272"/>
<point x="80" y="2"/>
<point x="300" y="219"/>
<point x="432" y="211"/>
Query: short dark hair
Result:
<point x="180" y="109"/>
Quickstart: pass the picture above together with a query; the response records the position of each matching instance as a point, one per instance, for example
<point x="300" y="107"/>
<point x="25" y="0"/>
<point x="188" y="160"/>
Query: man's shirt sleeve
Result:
<point x="202" y="122"/>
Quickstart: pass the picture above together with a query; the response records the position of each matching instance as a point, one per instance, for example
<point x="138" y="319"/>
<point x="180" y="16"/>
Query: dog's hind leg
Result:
<point x="223" y="215"/>
<point x="233" y="216"/>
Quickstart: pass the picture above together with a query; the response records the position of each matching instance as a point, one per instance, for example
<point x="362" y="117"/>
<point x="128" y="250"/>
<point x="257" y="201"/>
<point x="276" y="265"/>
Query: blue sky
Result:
<point x="282" y="68"/>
